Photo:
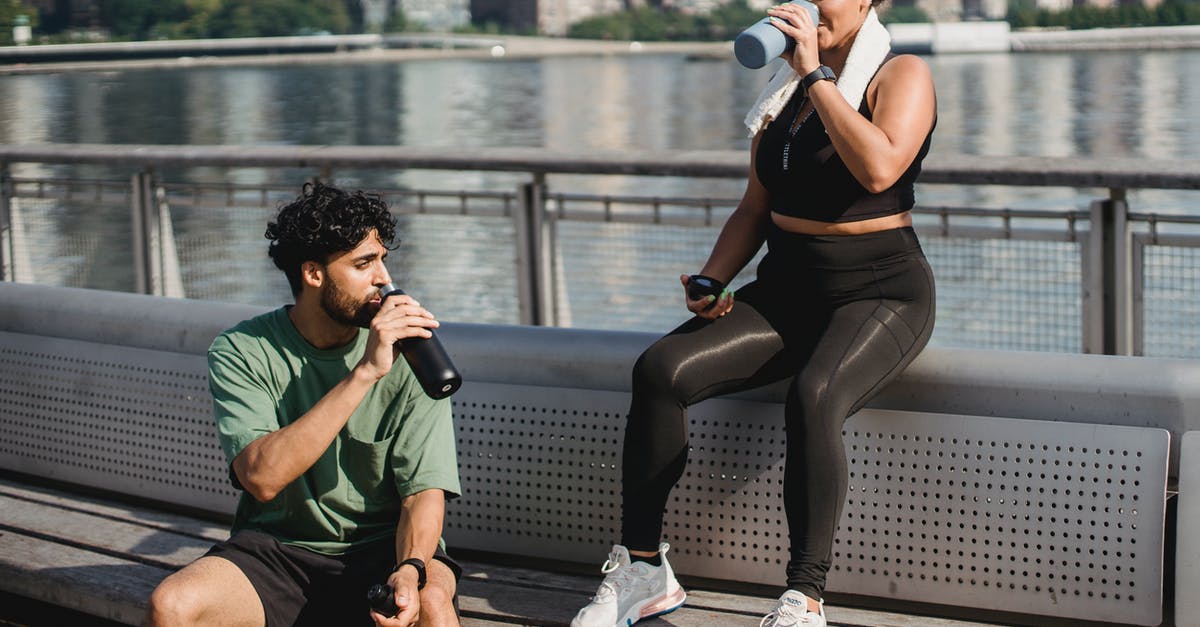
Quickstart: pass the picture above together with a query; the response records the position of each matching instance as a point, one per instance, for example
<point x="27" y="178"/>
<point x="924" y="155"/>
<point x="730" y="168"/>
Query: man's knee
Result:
<point x="437" y="599"/>
<point x="172" y="603"/>
<point x="437" y="607"/>
<point x="209" y="591"/>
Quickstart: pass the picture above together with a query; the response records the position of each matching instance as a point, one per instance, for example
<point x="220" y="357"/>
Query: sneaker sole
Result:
<point x="662" y="605"/>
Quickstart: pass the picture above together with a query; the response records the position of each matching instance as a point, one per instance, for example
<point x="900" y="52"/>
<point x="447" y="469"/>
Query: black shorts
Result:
<point x="302" y="587"/>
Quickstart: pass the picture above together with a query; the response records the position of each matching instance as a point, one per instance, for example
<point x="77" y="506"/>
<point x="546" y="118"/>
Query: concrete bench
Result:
<point x="1187" y="562"/>
<point x="1055" y="511"/>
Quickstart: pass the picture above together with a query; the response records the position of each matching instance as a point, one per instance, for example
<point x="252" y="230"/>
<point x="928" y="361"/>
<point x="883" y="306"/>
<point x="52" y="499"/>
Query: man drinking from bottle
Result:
<point x="344" y="462"/>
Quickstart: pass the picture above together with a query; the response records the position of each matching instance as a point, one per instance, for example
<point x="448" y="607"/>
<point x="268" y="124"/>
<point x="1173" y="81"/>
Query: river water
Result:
<point x="1083" y="104"/>
<point x="1089" y="104"/>
<point x="1056" y="104"/>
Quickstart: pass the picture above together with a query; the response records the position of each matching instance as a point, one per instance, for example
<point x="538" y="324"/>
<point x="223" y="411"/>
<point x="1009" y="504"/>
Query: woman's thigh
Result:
<point x="700" y="359"/>
<point x="864" y="346"/>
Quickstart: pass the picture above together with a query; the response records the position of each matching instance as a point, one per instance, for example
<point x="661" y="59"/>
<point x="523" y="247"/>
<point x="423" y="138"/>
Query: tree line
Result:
<point x="1025" y="14"/>
<point x="666" y="24"/>
<point x="181" y="19"/>
<point x="195" y="19"/>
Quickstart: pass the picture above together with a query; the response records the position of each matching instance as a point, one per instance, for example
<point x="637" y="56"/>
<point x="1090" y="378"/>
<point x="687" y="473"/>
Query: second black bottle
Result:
<point x="382" y="599"/>
<point x="428" y="359"/>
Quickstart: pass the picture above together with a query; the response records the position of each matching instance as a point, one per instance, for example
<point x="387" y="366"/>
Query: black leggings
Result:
<point x="841" y="316"/>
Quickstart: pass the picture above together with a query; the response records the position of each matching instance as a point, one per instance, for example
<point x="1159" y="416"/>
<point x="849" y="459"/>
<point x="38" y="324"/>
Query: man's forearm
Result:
<point x="420" y="526"/>
<point x="267" y="465"/>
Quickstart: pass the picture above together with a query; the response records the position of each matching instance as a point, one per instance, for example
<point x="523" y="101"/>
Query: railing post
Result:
<point x="170" y="270"/>
<point x="1109" y="327"/>
<point x="6" y="230"/>
<point x="153" y="272"/>
<point x="140" y="233"/>
<point x="535" y="274"/>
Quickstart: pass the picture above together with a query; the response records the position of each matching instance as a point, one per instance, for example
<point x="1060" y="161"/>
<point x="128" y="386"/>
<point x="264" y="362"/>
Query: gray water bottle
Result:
<point x="760" y="43"/>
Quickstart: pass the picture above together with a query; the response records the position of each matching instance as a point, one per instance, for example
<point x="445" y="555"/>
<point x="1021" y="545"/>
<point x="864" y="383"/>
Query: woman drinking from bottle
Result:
<point x="842" y="302"/>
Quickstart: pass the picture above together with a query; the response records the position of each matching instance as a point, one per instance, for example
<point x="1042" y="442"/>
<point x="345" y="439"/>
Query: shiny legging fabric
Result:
<point x="839" y="315"/>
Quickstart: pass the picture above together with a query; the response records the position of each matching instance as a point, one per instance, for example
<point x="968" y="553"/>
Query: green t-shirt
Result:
<point x="264" y="375"/>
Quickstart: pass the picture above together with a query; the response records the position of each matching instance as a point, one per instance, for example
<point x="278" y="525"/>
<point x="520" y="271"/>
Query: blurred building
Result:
<point x="958" y="10"/>
<point x="438" y="15"/>
<point x="545" y="17"/>
<point x="555" y="17"/>
<point x="694" y="6"/>
<point x="75" y="13"/>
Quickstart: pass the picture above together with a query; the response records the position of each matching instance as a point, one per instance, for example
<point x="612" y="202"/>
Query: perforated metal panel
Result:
<point x="959" y="510"/>
<point x="1067" y="518"/>
<point x="540" y="470"/>
<point x="965" y="510"/>
<point x="124" y="419"/>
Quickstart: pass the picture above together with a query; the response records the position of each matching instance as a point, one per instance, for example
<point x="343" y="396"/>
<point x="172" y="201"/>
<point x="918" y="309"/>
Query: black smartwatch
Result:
<point x="822" y="73"/>
<point x="418" y="564"/>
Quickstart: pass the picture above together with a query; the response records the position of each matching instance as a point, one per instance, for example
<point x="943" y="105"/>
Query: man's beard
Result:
<point x="344" y="308"/>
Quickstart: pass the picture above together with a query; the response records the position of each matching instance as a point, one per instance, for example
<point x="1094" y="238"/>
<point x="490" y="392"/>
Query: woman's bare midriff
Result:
<point x="814" y="227"/>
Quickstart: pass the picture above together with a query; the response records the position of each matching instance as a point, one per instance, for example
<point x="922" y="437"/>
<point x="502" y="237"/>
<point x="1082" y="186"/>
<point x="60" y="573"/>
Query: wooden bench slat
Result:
<point x="107" y="508"/>
<point x="104" y="558"/>
<point x="492" y="599"/>
<point x="557" y="596"/>
<point x="82" y="580"/>
<point x="122" y="540"/>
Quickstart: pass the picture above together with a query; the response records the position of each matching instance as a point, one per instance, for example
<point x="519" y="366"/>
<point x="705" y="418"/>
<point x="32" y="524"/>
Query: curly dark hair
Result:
<point x="323" y="221"/>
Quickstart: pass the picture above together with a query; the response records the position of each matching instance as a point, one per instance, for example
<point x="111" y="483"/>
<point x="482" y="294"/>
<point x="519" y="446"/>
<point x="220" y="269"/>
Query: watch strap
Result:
<point x="416" y="563"/>
<point x="822" y="73"/>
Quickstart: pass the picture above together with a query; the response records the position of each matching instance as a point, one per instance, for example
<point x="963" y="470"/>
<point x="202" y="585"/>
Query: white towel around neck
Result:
<point x="870" y="49"/>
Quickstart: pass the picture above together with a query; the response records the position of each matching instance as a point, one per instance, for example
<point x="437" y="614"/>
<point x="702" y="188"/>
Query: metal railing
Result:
<point x="596" y="240"/>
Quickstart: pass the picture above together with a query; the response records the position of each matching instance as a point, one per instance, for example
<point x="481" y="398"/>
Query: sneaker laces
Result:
<point x="785" y="615"/>
<point x="615" y="577"/>
<point x="789" y="620"/>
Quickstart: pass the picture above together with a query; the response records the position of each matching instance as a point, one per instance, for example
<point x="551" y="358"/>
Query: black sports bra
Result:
<point x="817" y="185"/>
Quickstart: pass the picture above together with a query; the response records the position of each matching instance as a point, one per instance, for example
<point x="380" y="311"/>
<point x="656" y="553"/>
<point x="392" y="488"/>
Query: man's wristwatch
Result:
<point x="418" y="564"/>
<point x="822" y="73"/>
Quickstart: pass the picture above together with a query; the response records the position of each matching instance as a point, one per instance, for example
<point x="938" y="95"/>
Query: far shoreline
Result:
<point x="327" y="49"/>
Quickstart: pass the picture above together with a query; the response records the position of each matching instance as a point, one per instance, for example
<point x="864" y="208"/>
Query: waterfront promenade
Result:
<point x="496" y="590"/>
<point x="325" y="49"/>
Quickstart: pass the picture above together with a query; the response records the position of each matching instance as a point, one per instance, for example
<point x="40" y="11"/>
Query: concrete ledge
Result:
<point x="1141" y="38"/>
<point x="915" y="38"/>
<point x="950" y="37"/>
<point x="966" y="37"/>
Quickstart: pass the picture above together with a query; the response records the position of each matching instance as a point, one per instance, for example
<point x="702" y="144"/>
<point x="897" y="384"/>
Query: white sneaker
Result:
<point x="792" y="610"/>
<point x="631" y="591"/>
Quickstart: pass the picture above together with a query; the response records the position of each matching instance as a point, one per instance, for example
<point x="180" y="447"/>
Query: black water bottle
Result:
<point x="428" y="360"/>
<point x="382" y="600"/>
